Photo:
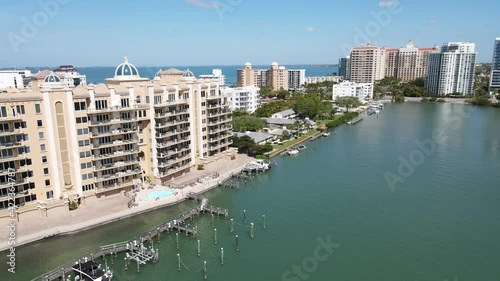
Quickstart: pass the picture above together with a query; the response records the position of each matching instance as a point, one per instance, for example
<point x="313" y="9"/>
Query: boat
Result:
<point x="301" y="147"/>
<point x="326" y="134"/>
<point x="371" y="111"/>
<point x="293" y="152"/>
<point x="257" y="165"/>
<point x="91" y="271"/>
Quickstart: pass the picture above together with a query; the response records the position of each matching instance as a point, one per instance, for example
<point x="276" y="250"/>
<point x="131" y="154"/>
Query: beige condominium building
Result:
<point x="367" y="64"/>
<point x="276" y="77"/>
<point x="60" y="144"/>
<point x="409" y="62"/>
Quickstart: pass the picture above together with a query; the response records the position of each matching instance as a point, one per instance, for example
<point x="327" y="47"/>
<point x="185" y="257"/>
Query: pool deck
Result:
<point x="96" y="212"/>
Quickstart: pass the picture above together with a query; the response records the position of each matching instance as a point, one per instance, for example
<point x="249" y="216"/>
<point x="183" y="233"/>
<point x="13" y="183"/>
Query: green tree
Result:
<point x="239" y="113"/>
<point x="348" y="102"/>
<point x="312" y="106"/>
<point x="268" y="109"/>
<point x="248" y="123"/>
<point x="283" y="94"/>
<point x="265" y="91"/>
<point x="285" y="135"/>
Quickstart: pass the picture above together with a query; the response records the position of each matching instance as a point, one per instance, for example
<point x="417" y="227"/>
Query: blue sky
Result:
<point x="231" y="32"/>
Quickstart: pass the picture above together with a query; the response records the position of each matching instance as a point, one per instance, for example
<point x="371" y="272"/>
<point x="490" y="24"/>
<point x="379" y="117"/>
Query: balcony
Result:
<point x="114" y="143"/>
<point x="17" y="182"/>
<point x="117" y="109"/>
<point x="113" y="132"/>
<point x="168" y="134"/>
<point x="11" y="118"/>
<point x="116" y="186"/>
<point x="170" y="103"/>
<point x="11" y="132"/>
<point x="172" y="170"/>
<point x="11" y="144"/>
<point x="114" y="154"/>
<point x="171" y="113"/>
<point x="21" y="169"/>
<point x="115" y="165"/>
<point x="117" y="175"/>
<point x="13" y="158"/>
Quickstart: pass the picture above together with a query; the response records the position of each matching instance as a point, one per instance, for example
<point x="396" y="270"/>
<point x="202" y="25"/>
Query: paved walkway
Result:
<point x="97" y="212"/>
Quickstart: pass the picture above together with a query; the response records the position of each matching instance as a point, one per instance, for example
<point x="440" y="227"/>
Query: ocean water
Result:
<point x="99" y="74"/>
<point x="435" y="218"/>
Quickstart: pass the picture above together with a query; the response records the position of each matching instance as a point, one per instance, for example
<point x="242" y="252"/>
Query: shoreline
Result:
<point x="180" y="197"/>
<point x="278" y="152"/>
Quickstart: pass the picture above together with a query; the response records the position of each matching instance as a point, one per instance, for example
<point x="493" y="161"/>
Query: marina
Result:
<point x="427" y="216"/>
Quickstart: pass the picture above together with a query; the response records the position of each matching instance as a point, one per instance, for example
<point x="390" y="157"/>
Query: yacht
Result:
<point x="326" y="134"/>
<point x="301" y="147"/>
<point x="91" y="271"/>
<point x="293" y="152"/>
<point x="257" y="165"/>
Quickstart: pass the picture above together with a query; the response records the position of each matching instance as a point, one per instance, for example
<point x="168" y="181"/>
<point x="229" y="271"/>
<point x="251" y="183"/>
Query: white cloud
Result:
<point x="203" y="4"/>
<point x="310" y="29"/>
<point x="386" y="4"/>
<point x="433" y="21"/>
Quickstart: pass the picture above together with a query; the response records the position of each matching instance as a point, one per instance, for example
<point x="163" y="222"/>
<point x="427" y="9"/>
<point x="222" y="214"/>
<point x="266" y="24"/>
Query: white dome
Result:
<point x="275" y="64"/>
<point x="52" y="78"/>
<point x="248" y="64"/>
<point x="126" y="69"/>
<point x="188" y="74"/>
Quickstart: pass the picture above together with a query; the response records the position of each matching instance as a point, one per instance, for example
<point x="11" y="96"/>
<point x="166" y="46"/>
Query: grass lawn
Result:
<point x="293" y="142"/>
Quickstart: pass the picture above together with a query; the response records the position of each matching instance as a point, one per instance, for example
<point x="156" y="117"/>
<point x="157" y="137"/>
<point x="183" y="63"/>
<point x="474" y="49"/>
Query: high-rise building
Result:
<point x="345" y="68"/>
<point x="495" y="67"/>
<point x="409" y="62"/>
<point x="216" y="75"/>
<point x="276" y="77"/>
<point x="244" y="98"/>
<point x="296" y="78"/>
<point x="367" y="64"/>
<point x="452" y="70"/>
<point x="59" y="143"/>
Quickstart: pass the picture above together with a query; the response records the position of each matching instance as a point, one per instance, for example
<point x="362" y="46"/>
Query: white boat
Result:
<point x="257" y="165"/>
<point x="293" y="152"/>
<point x="326" y="134"/>
<point x="301" y="147"/>
<point x="91" y="271"/>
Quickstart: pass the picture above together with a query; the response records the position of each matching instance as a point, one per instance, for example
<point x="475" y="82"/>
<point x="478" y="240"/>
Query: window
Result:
<point x="44" y="159"/>
<point x="87" y="187"/>
<point x="85" y="154"/>
<point x="87" y="176"/>
<point x="37" y="108"/>
<point x="3" y="111"/>
<point x="81" y="120"/>
<point x="84" y="143"/>
<point x="45" y="171"/>
<point x="42" y="147"/>
<point x="125" y="102"/>
<point x="86" y="165"/>
<point x="47" y="182"/>
<point x="18" y="125"/>
<point x="80" y="106"/>
<point x="39" y="123"/>
<point x="40" y="136"/>
<point x="50" y="194"/>
<point x="147" y="99"/>
<point x="20" y="109"/>
<point x="84" y="131"/>
<point x="101" y="104"/>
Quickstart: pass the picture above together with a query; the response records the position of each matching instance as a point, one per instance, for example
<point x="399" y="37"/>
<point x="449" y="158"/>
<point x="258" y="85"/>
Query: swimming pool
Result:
<point x="159" y="194"/>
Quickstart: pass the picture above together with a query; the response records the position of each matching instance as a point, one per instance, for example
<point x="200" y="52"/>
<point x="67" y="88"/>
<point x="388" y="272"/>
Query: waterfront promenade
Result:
<point x="96" y="212"/>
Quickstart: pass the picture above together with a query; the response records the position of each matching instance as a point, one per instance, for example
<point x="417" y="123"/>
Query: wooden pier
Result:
<point x="136" y="246"/>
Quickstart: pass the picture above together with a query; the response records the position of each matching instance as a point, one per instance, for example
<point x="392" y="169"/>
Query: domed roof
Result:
<point x="126" y="69"/>
<point x="275" y="64"/>
<point x="52" y="78"/>
<point x="248" y="64"/>
<point x="158" y="73"/>
<point x="188" y="74"/>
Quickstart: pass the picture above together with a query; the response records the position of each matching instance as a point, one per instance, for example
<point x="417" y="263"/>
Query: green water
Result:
<point x="441" y="223"/>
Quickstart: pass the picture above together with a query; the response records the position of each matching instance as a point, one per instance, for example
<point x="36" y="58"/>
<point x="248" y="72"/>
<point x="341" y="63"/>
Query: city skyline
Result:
<point x="94" y="36"/>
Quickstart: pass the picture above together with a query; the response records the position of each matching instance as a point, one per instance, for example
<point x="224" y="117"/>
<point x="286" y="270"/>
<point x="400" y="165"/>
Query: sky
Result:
<point x="231" y="32"/>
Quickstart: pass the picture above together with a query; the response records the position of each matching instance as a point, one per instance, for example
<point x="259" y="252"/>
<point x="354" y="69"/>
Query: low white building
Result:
<point x="363" y="91"/>
<point x="319" y="79"/>
<point x="216" y="75"/>
<point x="14" y="78"/>
<point x="243" y="98"/>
